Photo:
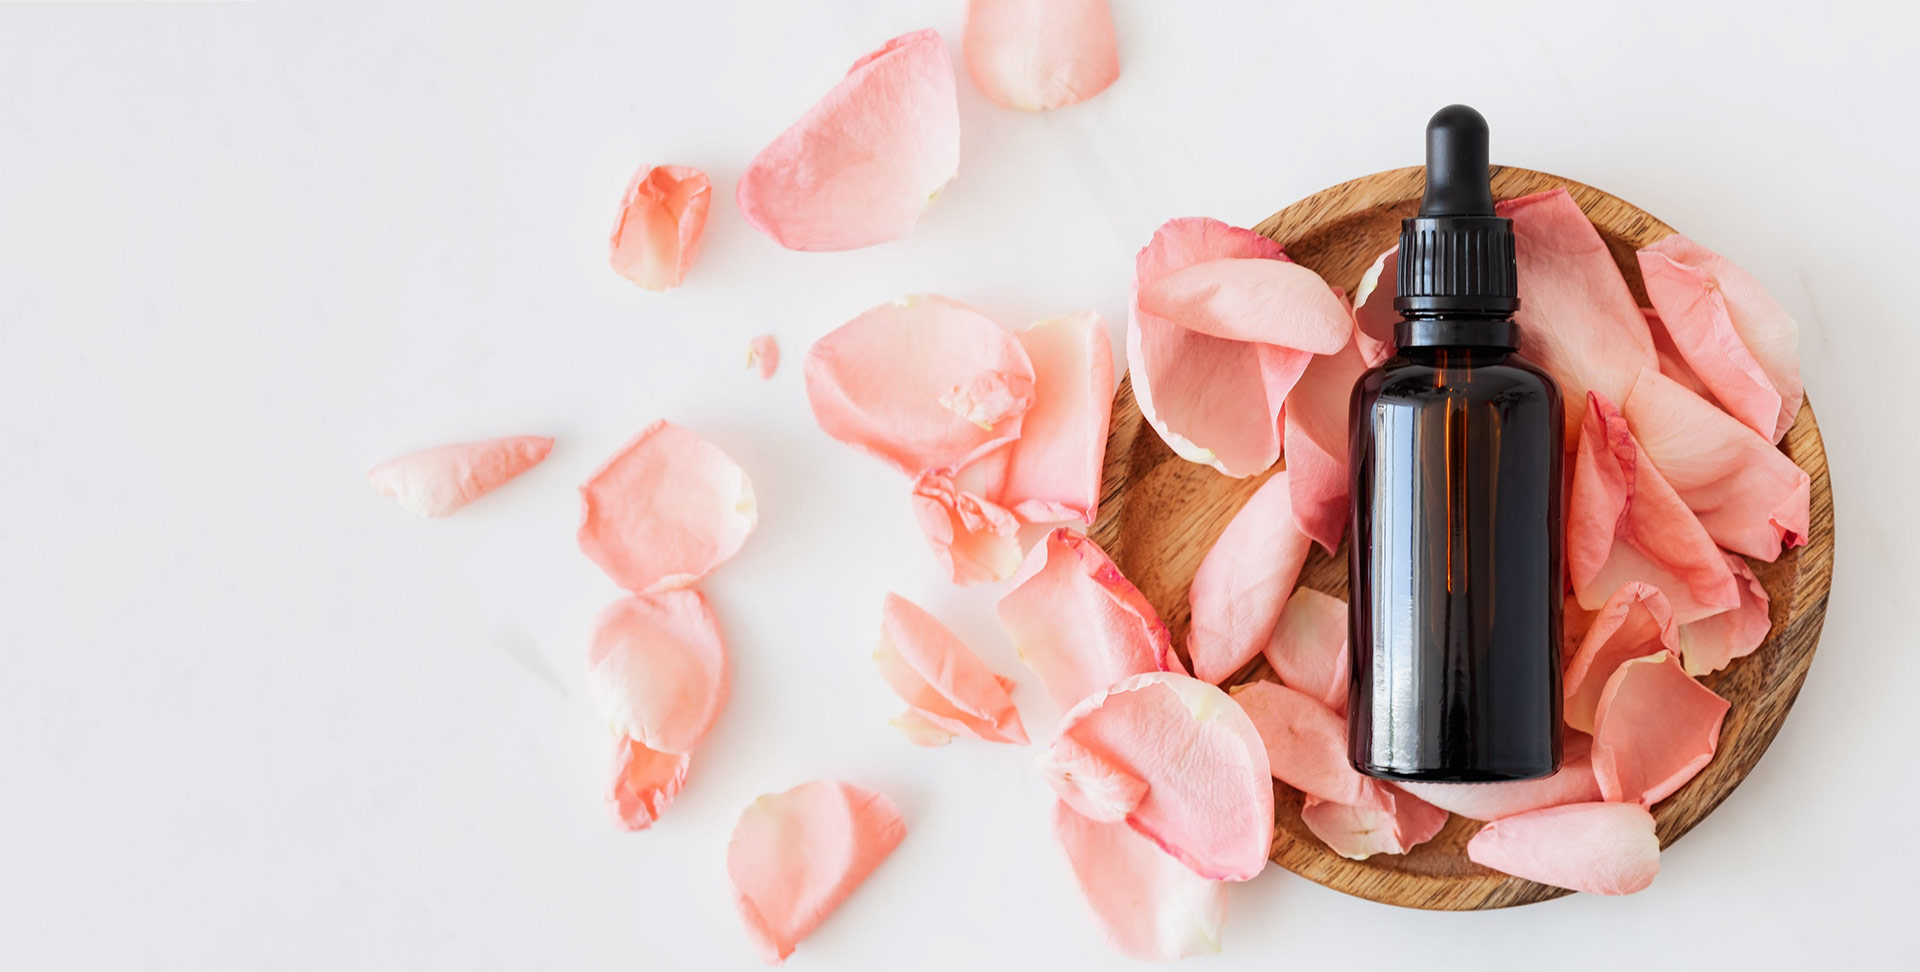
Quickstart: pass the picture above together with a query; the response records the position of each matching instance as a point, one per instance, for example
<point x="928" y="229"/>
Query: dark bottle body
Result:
<point x="1456" y="565"/>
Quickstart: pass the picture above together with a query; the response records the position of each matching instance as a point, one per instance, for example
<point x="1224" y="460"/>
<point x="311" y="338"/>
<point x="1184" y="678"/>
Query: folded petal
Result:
<point x="657" y="670"/>
<point x="795" y="856"/>
<point x="1243" y="582"/>
<point x="923" y="382"/>
<point x="1579" y="319"/>
<point x="1052" y="472"/>
<point x="1373" y="307"/>
<point x="1633" y="623"/>
<point x="1256" y="299"/>
<point x="1672" y="363"/>
<point x="1749" y="496"/>
<point x="1572" y="783"/>
<point x="1149" y="905"/>
<point x="1040" y="54"/>
<point x="1207" y="797"/>
<point x="1599" y="848"/>
<point x="1361" y="832"/>
<point x="1078" y="623"/>
<point x="438" y="481"/>
<point x="661" y="219"/>
<point x="1741" y="343"/>
<point x="975" y="540"/>
<point x="1656" y="728"/>
<point x="1308" y="648"/>
<point x="1711" y="643"/>
<point x="643" y="782"/>
<point x="1306" y="745"/>
<point x="666" y="510"/>
<point x="944" y="682"/>
<point x="1315" y="434"/>
<point x="862" y="164"/>
<point x="1095" y="783"/>
<point x="763" y="353"/>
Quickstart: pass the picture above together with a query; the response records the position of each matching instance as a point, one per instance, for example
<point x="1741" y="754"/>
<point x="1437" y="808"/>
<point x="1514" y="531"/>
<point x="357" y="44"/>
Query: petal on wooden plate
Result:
<point x="436" y="482"/>
<point x="1078" y="623"/>
<point x="1039" y="54"/>
<point x="1306" y="745"/>
<point x="667" y="508"/>
<point x="1254" y="299"/>
<point x="795" y="856"/>
<point x="944" y="682"/>
<point x="1655" y="729"/>
<point x="1308" y="649"/>
<point x="1244" y="580"/>
<point x="1315" y="434"/>
<point x="1573" y="783"/>
<point x="1711" y="643"/>
<point x="1361" y="832"/>
<point x="1633" y="623"/>
<point x="1599" y="848"/>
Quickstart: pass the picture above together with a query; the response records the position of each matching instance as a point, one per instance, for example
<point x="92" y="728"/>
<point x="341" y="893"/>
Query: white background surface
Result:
<point x="252" y="716"/>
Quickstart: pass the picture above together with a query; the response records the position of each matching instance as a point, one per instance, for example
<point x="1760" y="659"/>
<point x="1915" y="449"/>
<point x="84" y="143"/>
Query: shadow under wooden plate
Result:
<point x="1159" y="514"/>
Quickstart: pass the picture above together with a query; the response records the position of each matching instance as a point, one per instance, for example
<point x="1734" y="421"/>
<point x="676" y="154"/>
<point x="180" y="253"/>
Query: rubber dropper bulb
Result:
<point x="1457" y="173"/>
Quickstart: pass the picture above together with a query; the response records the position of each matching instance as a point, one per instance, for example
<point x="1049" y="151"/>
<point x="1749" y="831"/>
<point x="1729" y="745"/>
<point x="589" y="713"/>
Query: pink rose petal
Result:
<point x="920" y="730"/>
<point x="1315" y="434"/>
<point x="1656" y="728"/>
<point x="862" y="164"/>
<point x="1078" y="623"/>
<point x="657" y="670"/>
<point x="643" y="782"/>
<point x="1599" y="848"/>
<point x="1052" y="472"/>
<point x="1711" y="643"/>
<point x="1255" y="299"/>
<point x="667" y="509"/>
<point x="1577" y="318"/>
<point x="436" y="482"/>
<point x="1243" y="582"/>
<point x="795" y="856"/>
<point x="1633" y="623"/>
<point x="1361" y="832"/>
<point x="1097" y="786"/>
<point x="1308" y="648"/>
<point x="1373" y="311"/>
<point x="1207" y="799"/>
<point x="1671" y="363"/>
<point x="943" y="683"/>
<point x="976" y="541"/>
<point x="925" y="383"/>
<point x="1573" y="783"/>
<point x="1748" y="495"/>
<point x="1039" y="54"/>
<point x="1149" y="905"/>
<point x="1741" y="343"/>
<point x="1306" y="745"/>
<point x="661" y="219"/>
<point x="763" y="353"/>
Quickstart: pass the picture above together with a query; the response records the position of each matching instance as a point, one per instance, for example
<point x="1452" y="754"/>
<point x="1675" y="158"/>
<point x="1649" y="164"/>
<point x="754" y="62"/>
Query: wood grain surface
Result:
<point x="1159" y="514"/>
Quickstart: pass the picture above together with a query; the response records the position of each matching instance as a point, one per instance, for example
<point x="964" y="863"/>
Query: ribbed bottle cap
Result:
<point x="1457" y="256"/>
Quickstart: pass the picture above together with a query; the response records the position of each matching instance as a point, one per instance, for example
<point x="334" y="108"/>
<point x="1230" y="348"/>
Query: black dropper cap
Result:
<point x="1456" y="257"/>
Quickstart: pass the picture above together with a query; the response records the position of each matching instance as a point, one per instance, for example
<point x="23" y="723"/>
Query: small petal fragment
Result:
<point x="763" y="353"/>
<point x="975" y="540"/>
<point x="435" y="482"/>
<point x="1244" y="580"/>
<point x="1741" y="343"/>
<point x="1207" y="797"/>
<point x="1373" y="311"/>
<point x="1573" y="783"/>
<point x="862" y="164"/>
<point x="1599" y="848"/>
<point x="1711" y="643"/>
<point x="795" y="856"/>
<point x="941" y="680"/>
<point x="1633" y="623"/>
<point x="1052" y="471"/>
<point x="925" y="383"/>
<point x="1078" y="623"/>
<point x="1361" y="832"/>
<point x="643" y="782"/>
<point x="657" y="670"/>
<point x="1149" y="905"/>
<point x="1033" y="55"/>
<point x="1655" y="729"/>
<point x="1306" y="745"/>
<point x="661" y="219"/>
<point x="1315" y="434"/>
<point x="920" y="730"/>
<point x="667" y="509"/>
<point x="1308" y="649"/>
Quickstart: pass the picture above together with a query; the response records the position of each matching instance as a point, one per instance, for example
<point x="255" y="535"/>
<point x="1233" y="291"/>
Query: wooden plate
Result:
<point x="1159" y="514"/>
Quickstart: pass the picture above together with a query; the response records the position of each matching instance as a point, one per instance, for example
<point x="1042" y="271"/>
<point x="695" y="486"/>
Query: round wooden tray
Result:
<point x="1159" y="514"/>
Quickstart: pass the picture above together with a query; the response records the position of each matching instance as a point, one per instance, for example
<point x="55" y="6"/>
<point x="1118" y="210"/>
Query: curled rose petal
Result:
<point x="438" y="481"/>
<point x="975" y="540"/>
<point x="1315" y="434"/>
<point x="667" y="509"/>
<point x="1256" y="299"/>
<point x="1580" y="320"/>
<point x="1039" y="54"/>
<point x="1711" y="643"/>
<point x="1741" y="343"/>
<point x="1149" y="905"/>
<point x="1656" y="728"/>
<point x="1373" y="311"/>
<point x="943" y="682"/>
<point x="1207" y="799"/>
<point x="657" y="670"/>
<point x="661" y="219"/>
<point x="1748" y="495"/>
<point x="1599" y="848"/>
<point x="1308" y="649"/>
<point x="795" y="856"/>
<point x="923" y="382"/>
<point x="1361" y="832"/>
<point x="1078" y="623"/>
<point x="763" y="353"/>
<point x="1306" y="745"/>
<point x="1243" y="582"/>
<point x="1572" y="783"/>
<point x="1671" y="363"/>
<point x="1052" y="471"/>
<point x="643" y="782"/>
<point x="1633" y="623"/>
<point x="865" y="161"/>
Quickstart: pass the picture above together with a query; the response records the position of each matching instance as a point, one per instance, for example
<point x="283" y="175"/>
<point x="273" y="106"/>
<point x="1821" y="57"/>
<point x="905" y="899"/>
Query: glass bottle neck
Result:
<point x="1455" y="330"/>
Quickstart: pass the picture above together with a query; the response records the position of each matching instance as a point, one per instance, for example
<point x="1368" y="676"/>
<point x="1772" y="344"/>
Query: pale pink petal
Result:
<point x="943" y="681"/>
<point x="1750" y="497"/>
<point x="1599" y="848"/>
<point x="1308" y="648"/>
<point x="1040" y="54"/>
<point x="920" y="730"/>
<point x="643" y="782"/>
<point x="1052" y="472"/>
<point x="1625" y="523"/>
<point x="1741" y="343"/>
<point x="795" y="856"/>
<point x="1577" y="318"/>
<point x="438" y="481"/>
<point x="1656" y="728"/>
<point x="1078" y="623"/>
<point x="1093" y="783"/>
<point x="1361" y="832"/>
<point x="1573" y="783"/>
<point x="1316" y="442"/>
<point x="975" y="540"/>
<point x="1574" y="622"/>
<point x="865" y="161"/>
<point x="1633" y="623"/>
<point x="1257" y="299"/>
<point x="657" y="670"/>
<point x="1671" y="363"/>
<point x="763" y="353"/>
<point x="1306" y="745"/>
<point x="1149" y="905"/>
<point x="667" y="508"/>
<point x="1373" y="311"/>
<point x="1208" y="800"/>
<point x="661" y="219"/>
<point x="923" y="382"/>
<point x="1243" y="582"/>
<point x="1711" y="643"/>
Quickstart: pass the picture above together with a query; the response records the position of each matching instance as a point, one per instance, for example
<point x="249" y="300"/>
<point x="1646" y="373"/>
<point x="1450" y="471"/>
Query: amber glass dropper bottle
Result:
<point x="1455" y="559"/>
